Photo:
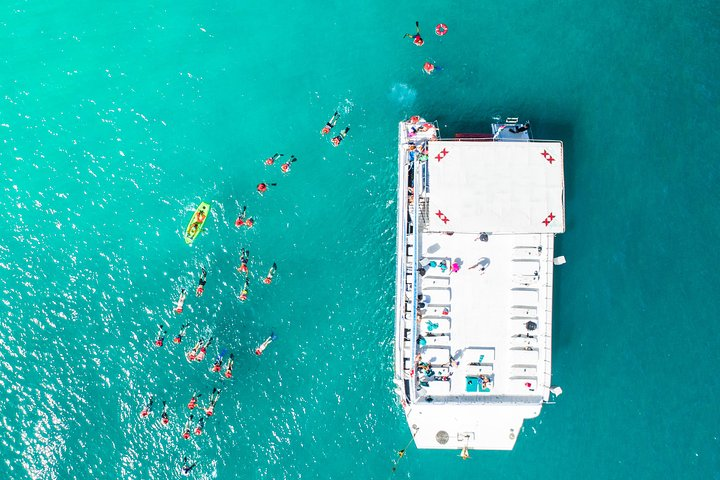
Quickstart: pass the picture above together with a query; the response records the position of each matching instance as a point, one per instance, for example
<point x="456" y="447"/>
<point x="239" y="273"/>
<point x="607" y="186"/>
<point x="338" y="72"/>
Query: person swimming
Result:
<point x="259" y="350"/>
<point x="271" y="160"/>
<point x="218" y="362"/>
<point x="164" y="419"/>
<point x="228" y="369"/>
<point x="193" y="401"/>
<point x="244" y="292"/>
<point x="147" y="409"/>
<point x="271" y="273"/>
<point x="262" y="187"/>
<point x="201" y="283"/>
<point x="244" y="258"/>
<point x="178" y="338"/>
<point x="200" y="427"/>
<point x="330" y="124"/>
<point x="181" y="301"/>
<point x="187" y="467"/>
<point x="194" y="351"/>
<point x="417" y="39"/>
<point x="336" y="140"/>
<point x="210" y="410"/>
<point x="186" y="430"/>
<point x="241" y="218"/>
<point x="203" y="351"/>
<point x="160" y="340"/>
<point x="285" y="167"/>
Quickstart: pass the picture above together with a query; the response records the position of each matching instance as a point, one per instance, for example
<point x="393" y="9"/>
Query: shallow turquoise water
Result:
<point x="116" y="120"/>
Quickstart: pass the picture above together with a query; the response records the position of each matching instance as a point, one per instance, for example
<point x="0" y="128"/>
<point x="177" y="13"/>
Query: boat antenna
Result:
<point x="401" y="453"/>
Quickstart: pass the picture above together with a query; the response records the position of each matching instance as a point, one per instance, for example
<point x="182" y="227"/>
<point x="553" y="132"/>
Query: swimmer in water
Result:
<point x="241" y="218"/>
<point x="218" y="363"/>
<point x="203" y="351"/>
<point x="200" y="427"/>
<point x="194" y="351"/>
<point x="193" y="401"/>
<point x="330" y="124"/>
<point x="244" y="258"/>
<point x="164" y="419"/>
<point x="285" y="167"/>
<point x="178" y="338"/>
<point x="336" y="140"/>
<point x="201" y="283"/>
<point x="271" y="273"/>
<point x="187" y="467"/>
<point x="417" y="39"/>
<point x="181" y="301"/>
<point x="259" y="350"/>
<point x="250" y="222"/>
<point x="228" y="369"/>
<point x="271" y="160"/>
<point x="214" y="396"/>
<point x="147" y="409"/>
<point x="186" y="430"/>
<point x="160" y="340"/>
<point x="262" y="187"/>
<point x="244" y="293"/>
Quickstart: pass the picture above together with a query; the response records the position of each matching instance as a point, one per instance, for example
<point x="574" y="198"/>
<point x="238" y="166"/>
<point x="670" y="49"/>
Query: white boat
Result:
<point x="477" y="217"/>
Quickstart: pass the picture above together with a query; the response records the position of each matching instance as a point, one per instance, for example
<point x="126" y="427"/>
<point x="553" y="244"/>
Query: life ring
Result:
<point x="441" y="29"/>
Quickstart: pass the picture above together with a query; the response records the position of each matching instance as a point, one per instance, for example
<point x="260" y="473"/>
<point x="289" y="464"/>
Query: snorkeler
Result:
<point x="244" y="293"/>
<point x="181" y="301"/>
<point x="194" y="351"/>
<point x="201" y="426"/>
<point x="271" y="160"/>
<point x="147" y="409"/>
<point x="210" y="410"/>
<point x="218" y="362"/>
<point x="203" y="351"/>
<point x="259" y="350"/>
<point x="244" y="258"/>
<point x="336" y="140"/>
<point x="164" y="417"/>
<point x="417" y="39"/>
<point x="228" y="369"/>
<point x="262" y="187"/>
<point x="193" y="401"/>
<point x="330" y="124"/>
<point x="241" y="218"/>
<point x="160" y="340"/>
<point x="271" y="273"/>
<point x="187" y="467"/>
<point x="201" y="283"/>
<point x="285" y="167"/>
<point x="178" y="338"/>
<point x="186" y="430"/>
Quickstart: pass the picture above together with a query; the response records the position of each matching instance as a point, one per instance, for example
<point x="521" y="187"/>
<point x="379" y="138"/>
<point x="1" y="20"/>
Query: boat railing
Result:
<point x="547" y="376"/>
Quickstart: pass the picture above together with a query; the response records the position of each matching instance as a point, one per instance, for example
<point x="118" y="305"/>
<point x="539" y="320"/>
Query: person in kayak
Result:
<point x="244" y="293"/>
<point x="160" y="340"/>
<point x="259" y="350"/>
<point x="181" y="301"/>
<point x="203" y="351"/>
<point x="336" y="140"/>
<point x="244" y="258"/>
<point x="214" y="396"/>
<point x="417" y="39"/>
<point x="201" y="283"/>
<point x="271" y="160"/>
<point x="200" y="427"/>
<point x="241" y="218"/>
<point x="228" y="369"/>
<point x="194" y="351"/>
<point x="147" y="409"/>
<point x="187" y="466"/>
<point x="186" y="430"/>
<point x="285" y="167"/>
<point x="330" y="124"/>
<point x="193" y="401"/>
<point x="178" y="338"/>
<point x="271" y="273"/>
<point x="164" y="419"/>
<point x="262" y="187"/>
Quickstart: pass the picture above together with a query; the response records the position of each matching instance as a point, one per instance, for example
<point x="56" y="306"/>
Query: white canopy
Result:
<point x="497" y="187"/>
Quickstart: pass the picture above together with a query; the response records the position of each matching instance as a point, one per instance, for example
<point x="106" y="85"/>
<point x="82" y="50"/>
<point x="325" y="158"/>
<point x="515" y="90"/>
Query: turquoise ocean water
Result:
<point x="117" y="119"/>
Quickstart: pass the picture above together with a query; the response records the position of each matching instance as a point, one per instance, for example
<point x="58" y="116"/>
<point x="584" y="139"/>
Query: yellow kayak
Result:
<point x="196" y="222"/>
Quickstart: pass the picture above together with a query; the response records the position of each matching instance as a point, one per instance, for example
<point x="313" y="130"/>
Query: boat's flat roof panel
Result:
<point x="500" y="187"/>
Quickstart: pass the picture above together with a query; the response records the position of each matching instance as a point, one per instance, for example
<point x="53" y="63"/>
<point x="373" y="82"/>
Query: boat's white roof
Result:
<point x="499" y="187"/>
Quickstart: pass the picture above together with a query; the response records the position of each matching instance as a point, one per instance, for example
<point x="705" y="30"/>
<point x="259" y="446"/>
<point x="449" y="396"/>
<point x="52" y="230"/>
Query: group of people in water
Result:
<point x="440" y="30"/>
